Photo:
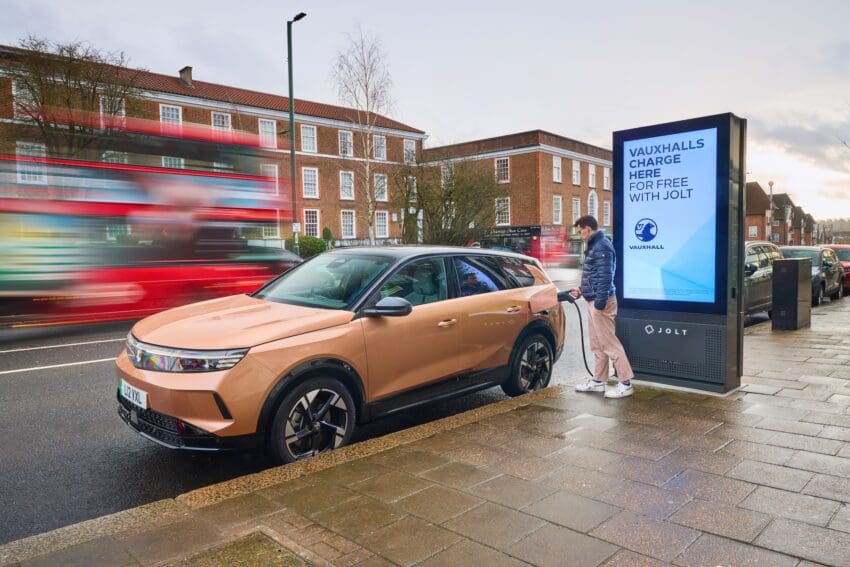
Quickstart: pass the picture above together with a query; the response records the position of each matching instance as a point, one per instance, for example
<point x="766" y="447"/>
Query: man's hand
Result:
<point x="575" y="292"/>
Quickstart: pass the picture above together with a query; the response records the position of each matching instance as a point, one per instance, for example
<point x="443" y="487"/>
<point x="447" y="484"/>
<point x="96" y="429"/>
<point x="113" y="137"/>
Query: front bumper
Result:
<point x="171" y="432"/>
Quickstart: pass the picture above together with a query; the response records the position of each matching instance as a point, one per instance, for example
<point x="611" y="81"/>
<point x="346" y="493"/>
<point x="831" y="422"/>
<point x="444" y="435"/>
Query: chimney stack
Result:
<point x="186" y="76"/>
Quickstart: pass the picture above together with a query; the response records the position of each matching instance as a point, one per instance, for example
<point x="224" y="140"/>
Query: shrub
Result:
<point x="308" y="245"/>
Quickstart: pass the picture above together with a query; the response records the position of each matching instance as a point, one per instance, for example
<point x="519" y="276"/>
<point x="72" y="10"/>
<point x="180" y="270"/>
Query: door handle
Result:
<point x="514" y="309"/>
<point x="447" y="323"/>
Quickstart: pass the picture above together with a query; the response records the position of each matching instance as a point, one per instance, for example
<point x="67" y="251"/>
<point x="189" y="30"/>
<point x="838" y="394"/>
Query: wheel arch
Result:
<point x="535" y="326"/>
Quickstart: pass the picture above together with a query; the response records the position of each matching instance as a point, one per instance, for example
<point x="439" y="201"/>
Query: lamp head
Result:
<point x="298" y="16"/>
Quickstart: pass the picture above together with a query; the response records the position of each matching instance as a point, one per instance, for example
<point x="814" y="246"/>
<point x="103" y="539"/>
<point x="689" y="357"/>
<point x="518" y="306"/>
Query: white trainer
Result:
<point x="591" y="386"/>
<point x="619" y="391"/>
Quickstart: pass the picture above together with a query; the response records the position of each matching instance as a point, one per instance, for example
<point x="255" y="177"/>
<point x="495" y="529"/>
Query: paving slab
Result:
<point x="555" y="546"/>
<point x="494" y="525"/>
<point x="99" y="552"/>
<point x="771" y="475"/>
<point x="801" y="507"/>
<point x="713" y="551"/>
<point x="710" y="486"/>
<point x="254" y="549"/>
<point x="832" y="487"/>
<point x="512" y="492"/>
<point x="644" y="499"/>
<point x="822" y="545"/>
<point x="572" y="511"/>
<point x="470" y="553"/>
<point x="655" y="538"/>
<point x="170" y="542"/>
<point x="409" y="541"/>
<point x="438" y="504"/>
<point x="721" y="519"/>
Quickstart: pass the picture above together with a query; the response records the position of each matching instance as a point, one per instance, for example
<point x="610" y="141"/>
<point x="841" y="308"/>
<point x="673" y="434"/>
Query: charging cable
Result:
<point x="566" y="296"/>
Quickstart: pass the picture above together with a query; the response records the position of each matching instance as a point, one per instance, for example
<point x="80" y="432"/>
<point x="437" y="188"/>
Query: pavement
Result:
<point x="760" y="476"/>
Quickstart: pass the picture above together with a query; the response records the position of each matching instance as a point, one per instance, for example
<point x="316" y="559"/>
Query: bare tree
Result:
<point x="456" y="200"/>
<point x="71" y="92"/>
<point x="363" y="83"/>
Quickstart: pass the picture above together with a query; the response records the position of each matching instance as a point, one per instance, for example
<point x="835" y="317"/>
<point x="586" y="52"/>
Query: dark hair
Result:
<point x="587" y="221"/>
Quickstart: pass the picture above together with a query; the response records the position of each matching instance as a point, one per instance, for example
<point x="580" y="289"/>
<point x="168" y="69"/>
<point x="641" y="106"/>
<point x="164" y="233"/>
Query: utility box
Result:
<point x="792" y="293"/>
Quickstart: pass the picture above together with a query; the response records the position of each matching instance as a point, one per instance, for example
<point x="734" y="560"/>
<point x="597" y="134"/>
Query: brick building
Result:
<point x="551" y="180"/>
<point x="329" y="186"/>
<point x="757" y="213"/>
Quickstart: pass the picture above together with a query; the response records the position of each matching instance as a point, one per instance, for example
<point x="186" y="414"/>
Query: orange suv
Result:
<point x="351" y="335"/>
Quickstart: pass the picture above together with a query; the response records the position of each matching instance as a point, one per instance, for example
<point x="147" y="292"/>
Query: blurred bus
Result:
<point x="158" y="219"/>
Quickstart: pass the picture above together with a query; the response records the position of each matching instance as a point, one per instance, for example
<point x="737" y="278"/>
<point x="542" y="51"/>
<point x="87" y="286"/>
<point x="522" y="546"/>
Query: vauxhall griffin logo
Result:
<point x="646" y="230"/>
<point x="653" y="330"/>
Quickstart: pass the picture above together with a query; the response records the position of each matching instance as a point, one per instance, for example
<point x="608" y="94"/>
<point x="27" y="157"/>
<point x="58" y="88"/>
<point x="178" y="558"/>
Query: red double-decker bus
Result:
<point x="161" y="219"/>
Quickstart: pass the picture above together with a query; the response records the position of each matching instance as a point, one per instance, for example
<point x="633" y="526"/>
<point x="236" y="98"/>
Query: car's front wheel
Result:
<point x="317" y="415"/>
<point x="531" y="366"/>
<point x="817" y="299"/>
<point x="838" y="292"/>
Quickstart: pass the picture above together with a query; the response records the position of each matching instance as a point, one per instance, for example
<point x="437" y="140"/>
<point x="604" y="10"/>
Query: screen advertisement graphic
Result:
<point x="669" y="227"/>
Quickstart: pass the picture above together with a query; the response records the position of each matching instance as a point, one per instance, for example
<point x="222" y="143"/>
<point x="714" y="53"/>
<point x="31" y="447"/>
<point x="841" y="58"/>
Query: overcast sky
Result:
<point x="468" y="70"/>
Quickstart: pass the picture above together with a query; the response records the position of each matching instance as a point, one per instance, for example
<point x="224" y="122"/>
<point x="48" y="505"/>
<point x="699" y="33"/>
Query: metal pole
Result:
<point x="770" y="225"/>
<point x="295" y="245"/>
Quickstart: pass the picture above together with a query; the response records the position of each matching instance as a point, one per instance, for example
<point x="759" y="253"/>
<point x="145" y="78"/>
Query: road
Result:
<point x="67" y="457"/>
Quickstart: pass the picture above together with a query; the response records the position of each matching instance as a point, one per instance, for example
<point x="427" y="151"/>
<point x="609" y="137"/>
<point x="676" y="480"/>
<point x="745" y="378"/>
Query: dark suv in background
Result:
<point x="827" y="271"/>
<point x="843" y="253"/>
<point x="758" y="276"/>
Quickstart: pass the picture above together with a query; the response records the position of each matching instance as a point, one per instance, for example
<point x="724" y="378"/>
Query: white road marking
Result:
<point x="61" y="346"/>
<point x="57" y="366"/>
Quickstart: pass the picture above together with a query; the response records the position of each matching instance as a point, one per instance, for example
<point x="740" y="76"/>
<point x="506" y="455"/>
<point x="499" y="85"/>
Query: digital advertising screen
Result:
<point x="669" y="217"/>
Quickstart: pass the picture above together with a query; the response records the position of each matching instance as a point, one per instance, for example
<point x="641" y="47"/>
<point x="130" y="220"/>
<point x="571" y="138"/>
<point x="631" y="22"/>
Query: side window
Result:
<point x="420" y="282"/>
<point x="515" y="270"/>
<point x="764" y="260"/>
<point x="751" y="257"/>
<point x="472" y="279"/>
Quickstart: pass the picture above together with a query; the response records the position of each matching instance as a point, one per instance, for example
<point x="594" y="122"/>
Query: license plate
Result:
<point x="134" y="395"/>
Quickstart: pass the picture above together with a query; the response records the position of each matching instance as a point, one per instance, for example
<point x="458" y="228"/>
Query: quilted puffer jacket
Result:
<point x="597" y="276"/>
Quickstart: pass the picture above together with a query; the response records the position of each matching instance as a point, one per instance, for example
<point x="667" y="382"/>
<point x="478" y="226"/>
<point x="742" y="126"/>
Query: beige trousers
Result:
<point x="605" y="344"/>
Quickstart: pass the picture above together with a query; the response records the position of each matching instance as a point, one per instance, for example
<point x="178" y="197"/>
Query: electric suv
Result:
<point x="348" y="336"/>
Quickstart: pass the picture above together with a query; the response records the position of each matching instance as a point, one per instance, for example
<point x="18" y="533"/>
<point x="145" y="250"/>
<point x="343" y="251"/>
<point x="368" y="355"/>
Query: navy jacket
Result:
<point x="597" y="276"/>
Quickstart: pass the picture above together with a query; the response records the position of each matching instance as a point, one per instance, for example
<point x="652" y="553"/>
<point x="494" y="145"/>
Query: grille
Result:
<point x="151" y="417"/>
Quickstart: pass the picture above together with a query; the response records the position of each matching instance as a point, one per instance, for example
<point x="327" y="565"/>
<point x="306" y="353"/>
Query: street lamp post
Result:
<point x="295" y="223"/>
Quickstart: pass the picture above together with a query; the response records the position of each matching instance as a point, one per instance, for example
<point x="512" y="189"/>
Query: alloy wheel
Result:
<point x="317" y="422"/>
<point x="535" y="366"/>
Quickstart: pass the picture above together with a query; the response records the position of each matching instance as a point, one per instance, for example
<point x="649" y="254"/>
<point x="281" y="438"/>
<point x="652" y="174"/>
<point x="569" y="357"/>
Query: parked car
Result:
<point x="348" y="336"/>
<point x="843" y="253"/>
<point x="827" y="272"/>
<point x="758" y="276"/>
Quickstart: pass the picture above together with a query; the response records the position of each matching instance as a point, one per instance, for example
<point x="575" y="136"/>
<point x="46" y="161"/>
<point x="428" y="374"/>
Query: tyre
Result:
<point x="531" y="366"/>
<point x="838" y="292"/>
<point x="817" y="299"/>
<point x="770" y="313"/>
<point x="316" y="416"/>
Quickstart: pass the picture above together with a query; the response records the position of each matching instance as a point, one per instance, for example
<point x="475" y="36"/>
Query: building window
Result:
<point x="111" y="156"/>
<point x="25" y="106"/>
<point x="445" y="176"/>
<point x="556" y="169"/>
<point x="311" y="222"/>
<point x="411" y="189"/>
<point x="380" y="144"/>
<point x="503" y="211"/>
<point x="346" y="185"/>
<point x="170" y="115"/>
<point x="310" y="182"/>
<point x="592" y="205"/>
<point x="347" y="223"/>
<point x="346" y="143"/>
<point x="576" y="209"/>
<point x="606" y="213"/>
<point x="503" y="172"/>
<point x="410" y="151"/>
<point x="270" y="170"/>
<point x="576" y="172"/>
<point x="606" y="178"/>
<point x="380" y="187"/>
<point x="308" y="138"/>
<point x="113" y="112"/>
<point x="220" y="121"/>
<point x="272" y="230"/>
<point x="382" y="224"/>
<point x="752" y="231"/>
<point x="34" y="172"/>
<point x="591" y="175"/>
<point x="268" y="133"/>
<point x="557" y="211"/>
<point x="173" y="162"/>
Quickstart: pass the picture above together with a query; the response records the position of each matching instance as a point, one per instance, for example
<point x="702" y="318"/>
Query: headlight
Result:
<point x="163" y="359"/>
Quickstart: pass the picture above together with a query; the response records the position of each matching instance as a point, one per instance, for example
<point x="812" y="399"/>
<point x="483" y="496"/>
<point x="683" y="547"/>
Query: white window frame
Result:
<point x="383" y="196"/>
<point x="267" y="139"/>
<point x="593" y="204"/>
<point x="342" y="215"/>
<point x="557" y="209"/>
<point x="386" y="232"/>
<point x="27" y="98"/>
<point x="111" y="156"/>
<point x="349" y="145"/>
<point x="412" y="191"/>
<point x="178" y="163"/>
<point x="272" y="230"/>
<point x="606" y="213"/>
<point x="576" y="208"/>
<point x="307" y="225"/>
<point x="304" y="172"/>
<point x="506" y="169"/>
<point x="272" y="171"/>
<point x="503" y="205"/>
<point x="225" y="118"/>
<point x="606" y="178"/>
<point x="591" y="175"/>
<point x="752" y="231"/>
<point x="166" y="123"/>
<point x="343" y="196"/>
<point x="119" y="118"/>
<point x="409" y="151"/>
<point x="446" y="172"/>
<point x="309" y="133"/>
<point x="576" y="172"/>
<point x="557" y="172"/>
<point x="31" y="173"/>
<point x="379" y="147"/>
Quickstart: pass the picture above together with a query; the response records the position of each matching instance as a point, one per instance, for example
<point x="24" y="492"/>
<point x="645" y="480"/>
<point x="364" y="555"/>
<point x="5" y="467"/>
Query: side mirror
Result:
<point x="389" y="307"/>
<point x="750" y="269"/>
